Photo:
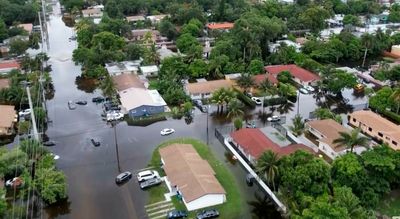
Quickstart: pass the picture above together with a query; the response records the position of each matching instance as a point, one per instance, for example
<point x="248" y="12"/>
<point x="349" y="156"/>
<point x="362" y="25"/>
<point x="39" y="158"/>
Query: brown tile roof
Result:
<point x="4" y="83"/>
<point x="7" y="116"/>
<point x="330" y="129"/>
<point x="208" y="86"/>
<point x="254" y="142"/>
<point x="143" y="32"/>
<point x="258" y="79"/>
<point x="296" y="71"/>
<point x="9" y="64"/>
<point x="193" y="176"/>
<point x="225" y="25"/>
<point x="125" y="81"/>
<point x="378" y="123"/>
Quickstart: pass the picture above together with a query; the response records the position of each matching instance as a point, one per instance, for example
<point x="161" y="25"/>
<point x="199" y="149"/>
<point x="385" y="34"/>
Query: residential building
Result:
<point x="164" y="52"/>
<point x="92" y="13"/>
<point x="140" y="35"/>
<point x="191" y="176"/>
<point x="300" y="75"/>
<point x="4" y="50"/>
<point x="377" y="127"/>
<point x="8" y="118"/>
<point x="156" y="18"/>
<point x="126" y="81"/>
<point x="274" y="47"/>
<point x="125" y="67"/>
<point x="4" y="83"/>
<point x="137" y="102"/>
<point x="252" y="143"/>
<point x="9" y="65"/>
<point x="204" y="89"/>
<point x="28" y="27"/>
<point x="220" y="26"/>
<point x="326" y="131"/>
<point x="134" y="19"/>
<point x="149" y="71"/>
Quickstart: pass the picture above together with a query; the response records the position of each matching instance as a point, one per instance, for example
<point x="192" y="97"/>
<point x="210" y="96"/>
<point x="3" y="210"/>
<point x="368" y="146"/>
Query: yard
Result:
<point x="230" y="209"/>
<point x="390" y="204"/>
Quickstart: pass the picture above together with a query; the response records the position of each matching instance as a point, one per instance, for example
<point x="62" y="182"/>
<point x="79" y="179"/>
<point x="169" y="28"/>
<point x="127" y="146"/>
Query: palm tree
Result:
<point x="267" y="87"/>
<point x="298" y="125"/>
<point x="235" y="108"/>
<point x="352" y="139"/>
<point x="218" y="98"/>
<point x="107" y="86"/>
<point x="267" y="165"/>
<point x="395" y="97"/>
<point x="245" y="81"/>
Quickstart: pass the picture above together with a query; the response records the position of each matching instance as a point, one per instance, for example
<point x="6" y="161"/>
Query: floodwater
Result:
<point x="91" y="171"/>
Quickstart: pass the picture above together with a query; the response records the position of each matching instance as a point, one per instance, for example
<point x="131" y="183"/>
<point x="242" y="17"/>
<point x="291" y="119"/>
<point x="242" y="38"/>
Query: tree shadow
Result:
<point x="263" y="207"/>
<point x="62" y="207"/>
<point x="87" y="85"/>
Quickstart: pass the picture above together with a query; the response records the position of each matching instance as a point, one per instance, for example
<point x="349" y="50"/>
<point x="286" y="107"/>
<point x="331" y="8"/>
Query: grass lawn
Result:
<point x="232" y="207"/>
<point x="390" y="204"/>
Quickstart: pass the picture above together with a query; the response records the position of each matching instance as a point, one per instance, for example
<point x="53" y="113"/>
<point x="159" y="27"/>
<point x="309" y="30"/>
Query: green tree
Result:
<point x="235" y="108"/>
<point x="256" y="66"/>
<point x="18" y="46"/>
<point x="298" y="125"/>
<point x="112" y="9"/>
<point x="198" y="68"/>
<point x="3" y="203"/>
<point x="350" y="19"/>
<point x="287" y="90"/>
<point x="245" y="82"/>
<point x="267" y="165"/>
<point x="323" y="208"/>
<point x="339" y="80"/>
<point x="314" y="18"/>
<point x="108" y="87"/>
<point x="168" y="29"/>
<point x="395" y="97"/>
<point x="51" y="185"/>
<point x="238" y="123"/>
<point x="3" y="31"/>
<point x="175" y="96"/>
<point x="284" y="77"/>
<point x="33" y="149"/>
<point x="380" y="101"/>
<point x="40" y="115"/>
<point x="352" y="139"/>
<point x="186" y="43"/>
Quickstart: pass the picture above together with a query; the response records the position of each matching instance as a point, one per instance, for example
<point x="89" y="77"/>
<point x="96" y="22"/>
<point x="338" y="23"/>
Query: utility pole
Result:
<point x="114" y="124"/>
<point x="35" y="131"/>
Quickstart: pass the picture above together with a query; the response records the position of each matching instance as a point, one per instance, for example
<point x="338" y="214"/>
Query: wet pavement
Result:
<point x="91" y="171"/>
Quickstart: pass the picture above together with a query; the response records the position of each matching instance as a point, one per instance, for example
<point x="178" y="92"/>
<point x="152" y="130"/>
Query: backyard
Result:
<point x="230" y="209"/>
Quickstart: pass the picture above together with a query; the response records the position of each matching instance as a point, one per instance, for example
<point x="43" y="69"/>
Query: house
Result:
<point x="28" y="27"/>
<point x="149" y="71"/>
<point x="220" y="26"/>
<point x="139" y="102"/>
<point x="204" y="89"/>
<point x="134" y="19"/>
<point x="140" y="35"/>
<point x="125" y="67"/>
<point x="156" y="18"/>
<point x="9" y="65"/>
<point x="126" y="81"/>
<point x="4" y="83"/>
<point x="92" y="13"/>
<point x="300" y="75"/>
<point x="4" y="50"/>
<point x="252" y="143"/>
<point x="326" y="131"/>
<point x="8" y="118"/>
<point x="376" y="127"/>
<point x="233" y="77"/>
<point x="258" y="79"/>
<point x="191" y="176"/>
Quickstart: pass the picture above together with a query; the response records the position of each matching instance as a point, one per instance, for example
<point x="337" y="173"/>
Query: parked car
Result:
<point x="248" y="94"/>
<point x="250" y="124"/>
<point x="167" y="131"/>
<point x="71" y="105"/>
<point x="123" y="177"/>
<point x="309" y="88"/>
<point x="256" y="100"/>
<point x="81" y="102"/>
<point x="111" y="106"/>
<point x="49" y="143"/>
<point x="147" y="174"/>
<point x="150" y="183"/>
<point x="303" y="91"/>
<point x="200" y="105"/>
<point x="250" y="179"/>
<point x="114" y="116"/>
<point x="97" y="99"/>
<point x="212" y="213"/>
<point x="176" y="214"/>
<point x="95" y="143"/>
<point x="273" y="119"/>
<point x="24" y="113"/>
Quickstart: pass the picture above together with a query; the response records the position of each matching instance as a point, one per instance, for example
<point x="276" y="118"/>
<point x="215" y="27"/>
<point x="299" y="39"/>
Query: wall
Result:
<point x="145" y="110"/>
<point x="205" y="201"/>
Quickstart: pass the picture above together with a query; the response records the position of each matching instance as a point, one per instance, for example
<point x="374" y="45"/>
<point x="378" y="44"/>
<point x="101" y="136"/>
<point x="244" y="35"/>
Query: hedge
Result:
<point x="245" y="99"/>
<point x="392" y="116"/>
<point x="275" y="101"/>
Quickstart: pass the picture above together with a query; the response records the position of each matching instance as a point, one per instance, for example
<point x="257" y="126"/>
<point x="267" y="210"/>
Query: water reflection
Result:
<point x="87" y="85"/>
<point x="230" y="158"/>
<point x="61" y="208"/>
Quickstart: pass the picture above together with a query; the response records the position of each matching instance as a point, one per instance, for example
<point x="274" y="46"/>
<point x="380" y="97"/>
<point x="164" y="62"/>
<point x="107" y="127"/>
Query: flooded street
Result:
<point x="91" y="170"/>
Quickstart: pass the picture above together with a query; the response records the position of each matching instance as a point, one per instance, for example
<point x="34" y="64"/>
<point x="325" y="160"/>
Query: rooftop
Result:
<point x="28" y="27"/>
<point x="132" y="98"/>
<point x="193" y="176"/>
<point x="125" y="81"/>
<point x="7" y="116"/>
<point x="142" y="32"/>
<point x="207" y="86"/>
<point x="125" y="66"/>
<point x="149" y="69"/>
<point x="330" y="129"/>
<point x="216" y="26"/>
<point x="258" y="79"/>
<point x="9" y="65"/>
<point x="135" y="18"/>
<point x="296" y="71"/>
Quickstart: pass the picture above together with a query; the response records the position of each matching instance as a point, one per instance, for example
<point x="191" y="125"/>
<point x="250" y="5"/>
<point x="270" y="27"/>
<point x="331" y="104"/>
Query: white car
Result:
<point x="25" y="112"/>
<point x="167" y="131"/>
<point x="303" y="91"/>
<point x="114" y="116"/>
<point x="256" y="100"/>
<point x="273" y="119"/>
<point x="71" y="105"/>
<point x="309" y="88"/>
<point x="147" y="174"/>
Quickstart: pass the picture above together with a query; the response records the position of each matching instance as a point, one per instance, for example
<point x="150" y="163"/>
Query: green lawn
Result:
<point x="232" y="207"/>
<point x="390" y="204"/>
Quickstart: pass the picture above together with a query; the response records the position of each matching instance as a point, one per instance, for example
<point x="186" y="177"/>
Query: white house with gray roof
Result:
<point x="139" y="102"/>
<point x="125" y="67"/>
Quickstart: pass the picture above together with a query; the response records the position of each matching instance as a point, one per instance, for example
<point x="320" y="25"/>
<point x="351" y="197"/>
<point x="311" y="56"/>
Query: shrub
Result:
<point x="275" y="101"/>
<point x="245" y="99"/>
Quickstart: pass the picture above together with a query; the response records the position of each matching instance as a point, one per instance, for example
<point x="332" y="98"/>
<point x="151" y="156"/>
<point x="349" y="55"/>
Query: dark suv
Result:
<point x="176" y="214"/>
<point x="212" y="213"/>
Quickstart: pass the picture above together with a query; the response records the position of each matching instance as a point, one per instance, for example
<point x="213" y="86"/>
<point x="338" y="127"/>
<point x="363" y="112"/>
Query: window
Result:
<point x="354" y="120"/>
<point x="370" y="129"/>
<point x="380" y="134"/>
<point x="393" y="142"/>
<point x="133" y="111"/>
